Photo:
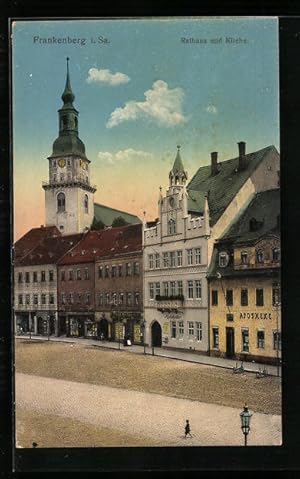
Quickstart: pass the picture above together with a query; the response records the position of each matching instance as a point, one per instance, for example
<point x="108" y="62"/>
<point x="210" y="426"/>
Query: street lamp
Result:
<point x="245" y="416"/>
<point x="48" y="326"/>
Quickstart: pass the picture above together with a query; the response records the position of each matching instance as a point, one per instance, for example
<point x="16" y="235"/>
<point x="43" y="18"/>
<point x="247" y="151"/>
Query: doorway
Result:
<point x="229" y="342"/>
<point x="156" y="334"/>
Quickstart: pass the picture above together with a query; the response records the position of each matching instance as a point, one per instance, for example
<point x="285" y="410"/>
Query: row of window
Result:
<point x="70" y="298"/>
<point x="108" y="299"/>
<point x="119" y="299"/>
<point x="77" y="274"/>
<point x="36" y="299"/>
<point x="194" y="330"/>
<point x="260" y="256"/>
<point x="62" y="177"/>
<point x="175" y="288"/>
<point x="260" y="339"/>
<point x="259" y="296"/>
<point x="35" y="277"/>
<point x="172" y="259"/>
<point x="119" y="270"/>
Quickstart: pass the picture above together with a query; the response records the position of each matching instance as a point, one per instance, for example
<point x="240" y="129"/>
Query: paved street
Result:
<point x="144" y="415"/>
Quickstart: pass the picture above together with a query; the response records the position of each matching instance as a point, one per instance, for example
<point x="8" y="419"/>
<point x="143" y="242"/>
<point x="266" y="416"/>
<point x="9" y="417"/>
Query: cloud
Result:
<point x="123" y="155"/>
<point x="106" y="76"/>
<point x="161" y="104"/>
<point x="212" y="109"/>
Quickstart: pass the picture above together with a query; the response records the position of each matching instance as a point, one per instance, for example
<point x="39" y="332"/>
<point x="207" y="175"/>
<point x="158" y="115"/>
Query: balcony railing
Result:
<point x="169" y="303"/>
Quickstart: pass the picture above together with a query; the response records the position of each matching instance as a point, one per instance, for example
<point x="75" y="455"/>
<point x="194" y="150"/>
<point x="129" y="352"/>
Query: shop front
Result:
<point x="81" y="326"/>
<point x="22" y="323"/>
<point x="127" y="326"/>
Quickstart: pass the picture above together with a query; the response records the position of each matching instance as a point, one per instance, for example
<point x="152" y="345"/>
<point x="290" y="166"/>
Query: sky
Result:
<point x="142" y="87"/>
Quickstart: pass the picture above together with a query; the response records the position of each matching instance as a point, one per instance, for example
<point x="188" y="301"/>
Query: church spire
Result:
<point x="178" y="175"/>
<point x="68" y="96"/>
<point x="68" y="141"/>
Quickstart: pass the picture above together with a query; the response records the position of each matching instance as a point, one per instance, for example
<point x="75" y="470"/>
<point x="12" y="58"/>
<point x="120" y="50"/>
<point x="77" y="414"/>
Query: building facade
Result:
<point x="119" y="285"/>
<point x="35" y="283"/>
<point x="190" y="219"/>
<point x="244" y="285"/>
<point x="175" y="264"/>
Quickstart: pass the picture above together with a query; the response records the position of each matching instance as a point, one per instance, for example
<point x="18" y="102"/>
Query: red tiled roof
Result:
<point x="107" y="243"/>
<point x="50" y="250"/>
<point x="32" y="238"/>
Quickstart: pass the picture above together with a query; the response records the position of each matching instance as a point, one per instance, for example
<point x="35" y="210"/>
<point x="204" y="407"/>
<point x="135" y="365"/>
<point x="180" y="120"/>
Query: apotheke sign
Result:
<point x="255" y="315"/>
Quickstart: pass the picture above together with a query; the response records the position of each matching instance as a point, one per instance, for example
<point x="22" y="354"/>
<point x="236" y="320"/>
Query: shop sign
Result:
<point x="253" y="315"/>
<point x="166" y="328"/>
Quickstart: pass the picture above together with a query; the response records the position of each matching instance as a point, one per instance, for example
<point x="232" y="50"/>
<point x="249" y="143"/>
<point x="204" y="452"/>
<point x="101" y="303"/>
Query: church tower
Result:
<point x="69" y="196"/>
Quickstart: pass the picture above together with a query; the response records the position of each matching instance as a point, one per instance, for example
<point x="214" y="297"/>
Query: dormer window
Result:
<point x="223" y="259"/>
<point x="276" y="254"/>
<point x="259" y="256"/>
<point x="244" y="257"/>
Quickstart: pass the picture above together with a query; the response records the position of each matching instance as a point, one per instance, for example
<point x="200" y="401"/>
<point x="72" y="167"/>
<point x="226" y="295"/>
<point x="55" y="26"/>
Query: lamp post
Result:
<point x="48" y="326"/>
<point x="245" y="416"/>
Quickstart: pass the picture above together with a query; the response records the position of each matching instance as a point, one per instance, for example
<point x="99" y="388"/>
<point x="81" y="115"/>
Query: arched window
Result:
<point x="171" y="227"/>
<point x="61" y="202"/>
<point x="86" y="203"/>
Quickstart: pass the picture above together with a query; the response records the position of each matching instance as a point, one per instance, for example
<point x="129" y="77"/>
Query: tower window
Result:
<point x="86" y="203"/>
<point x="171" y="227"/>
<point x="61" y="202"/>
<point x="64" y="120"/>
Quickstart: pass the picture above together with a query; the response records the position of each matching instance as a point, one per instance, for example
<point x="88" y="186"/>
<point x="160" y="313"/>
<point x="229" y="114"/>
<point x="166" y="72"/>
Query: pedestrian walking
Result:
<point x="187" y="429"/>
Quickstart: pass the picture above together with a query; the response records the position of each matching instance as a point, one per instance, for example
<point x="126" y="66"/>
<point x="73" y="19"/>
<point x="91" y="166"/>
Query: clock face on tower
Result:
<point x="171" y="202"/>
<point x="61" y="163"/>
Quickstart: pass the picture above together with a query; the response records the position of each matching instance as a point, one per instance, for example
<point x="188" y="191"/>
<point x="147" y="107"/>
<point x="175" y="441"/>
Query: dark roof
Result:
<point x="262" y="212"/>
<point x="32" y="238"/>
<point x="222" y="187"/>
<point x="196" y="200"/>
<point x="107" y="215"/>
<point x="50" y="250"/>
<point x="107" y="243"/>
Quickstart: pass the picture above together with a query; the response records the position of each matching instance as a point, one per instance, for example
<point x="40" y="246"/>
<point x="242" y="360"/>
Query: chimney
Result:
<point x="242" y="155"/>
<point x="214" y="163"/>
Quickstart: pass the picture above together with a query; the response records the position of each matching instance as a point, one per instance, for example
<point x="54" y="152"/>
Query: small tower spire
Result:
<point x="68" y="96"/>
<point x="178" y="175"/>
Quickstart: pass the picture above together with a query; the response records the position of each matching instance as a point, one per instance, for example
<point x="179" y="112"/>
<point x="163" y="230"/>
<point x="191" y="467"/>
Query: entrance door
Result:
<point x="156" y="334"/>
<point x="51" y="325"/>
<point x="229" y="342"/>
<point x="103" y="329"/>
<point x="40" y="325"/>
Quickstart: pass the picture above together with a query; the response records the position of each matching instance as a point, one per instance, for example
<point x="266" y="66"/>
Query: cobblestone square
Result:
<point x="74" y="395"/>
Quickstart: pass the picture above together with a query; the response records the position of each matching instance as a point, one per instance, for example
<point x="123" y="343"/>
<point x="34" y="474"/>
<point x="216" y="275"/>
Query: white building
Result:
<point x="175" y="265"/>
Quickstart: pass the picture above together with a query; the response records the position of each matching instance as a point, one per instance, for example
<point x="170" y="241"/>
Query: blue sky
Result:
<point x="139" y="96"/>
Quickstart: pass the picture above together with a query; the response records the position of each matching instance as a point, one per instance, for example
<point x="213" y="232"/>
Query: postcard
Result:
<point x="146" y="175"/>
